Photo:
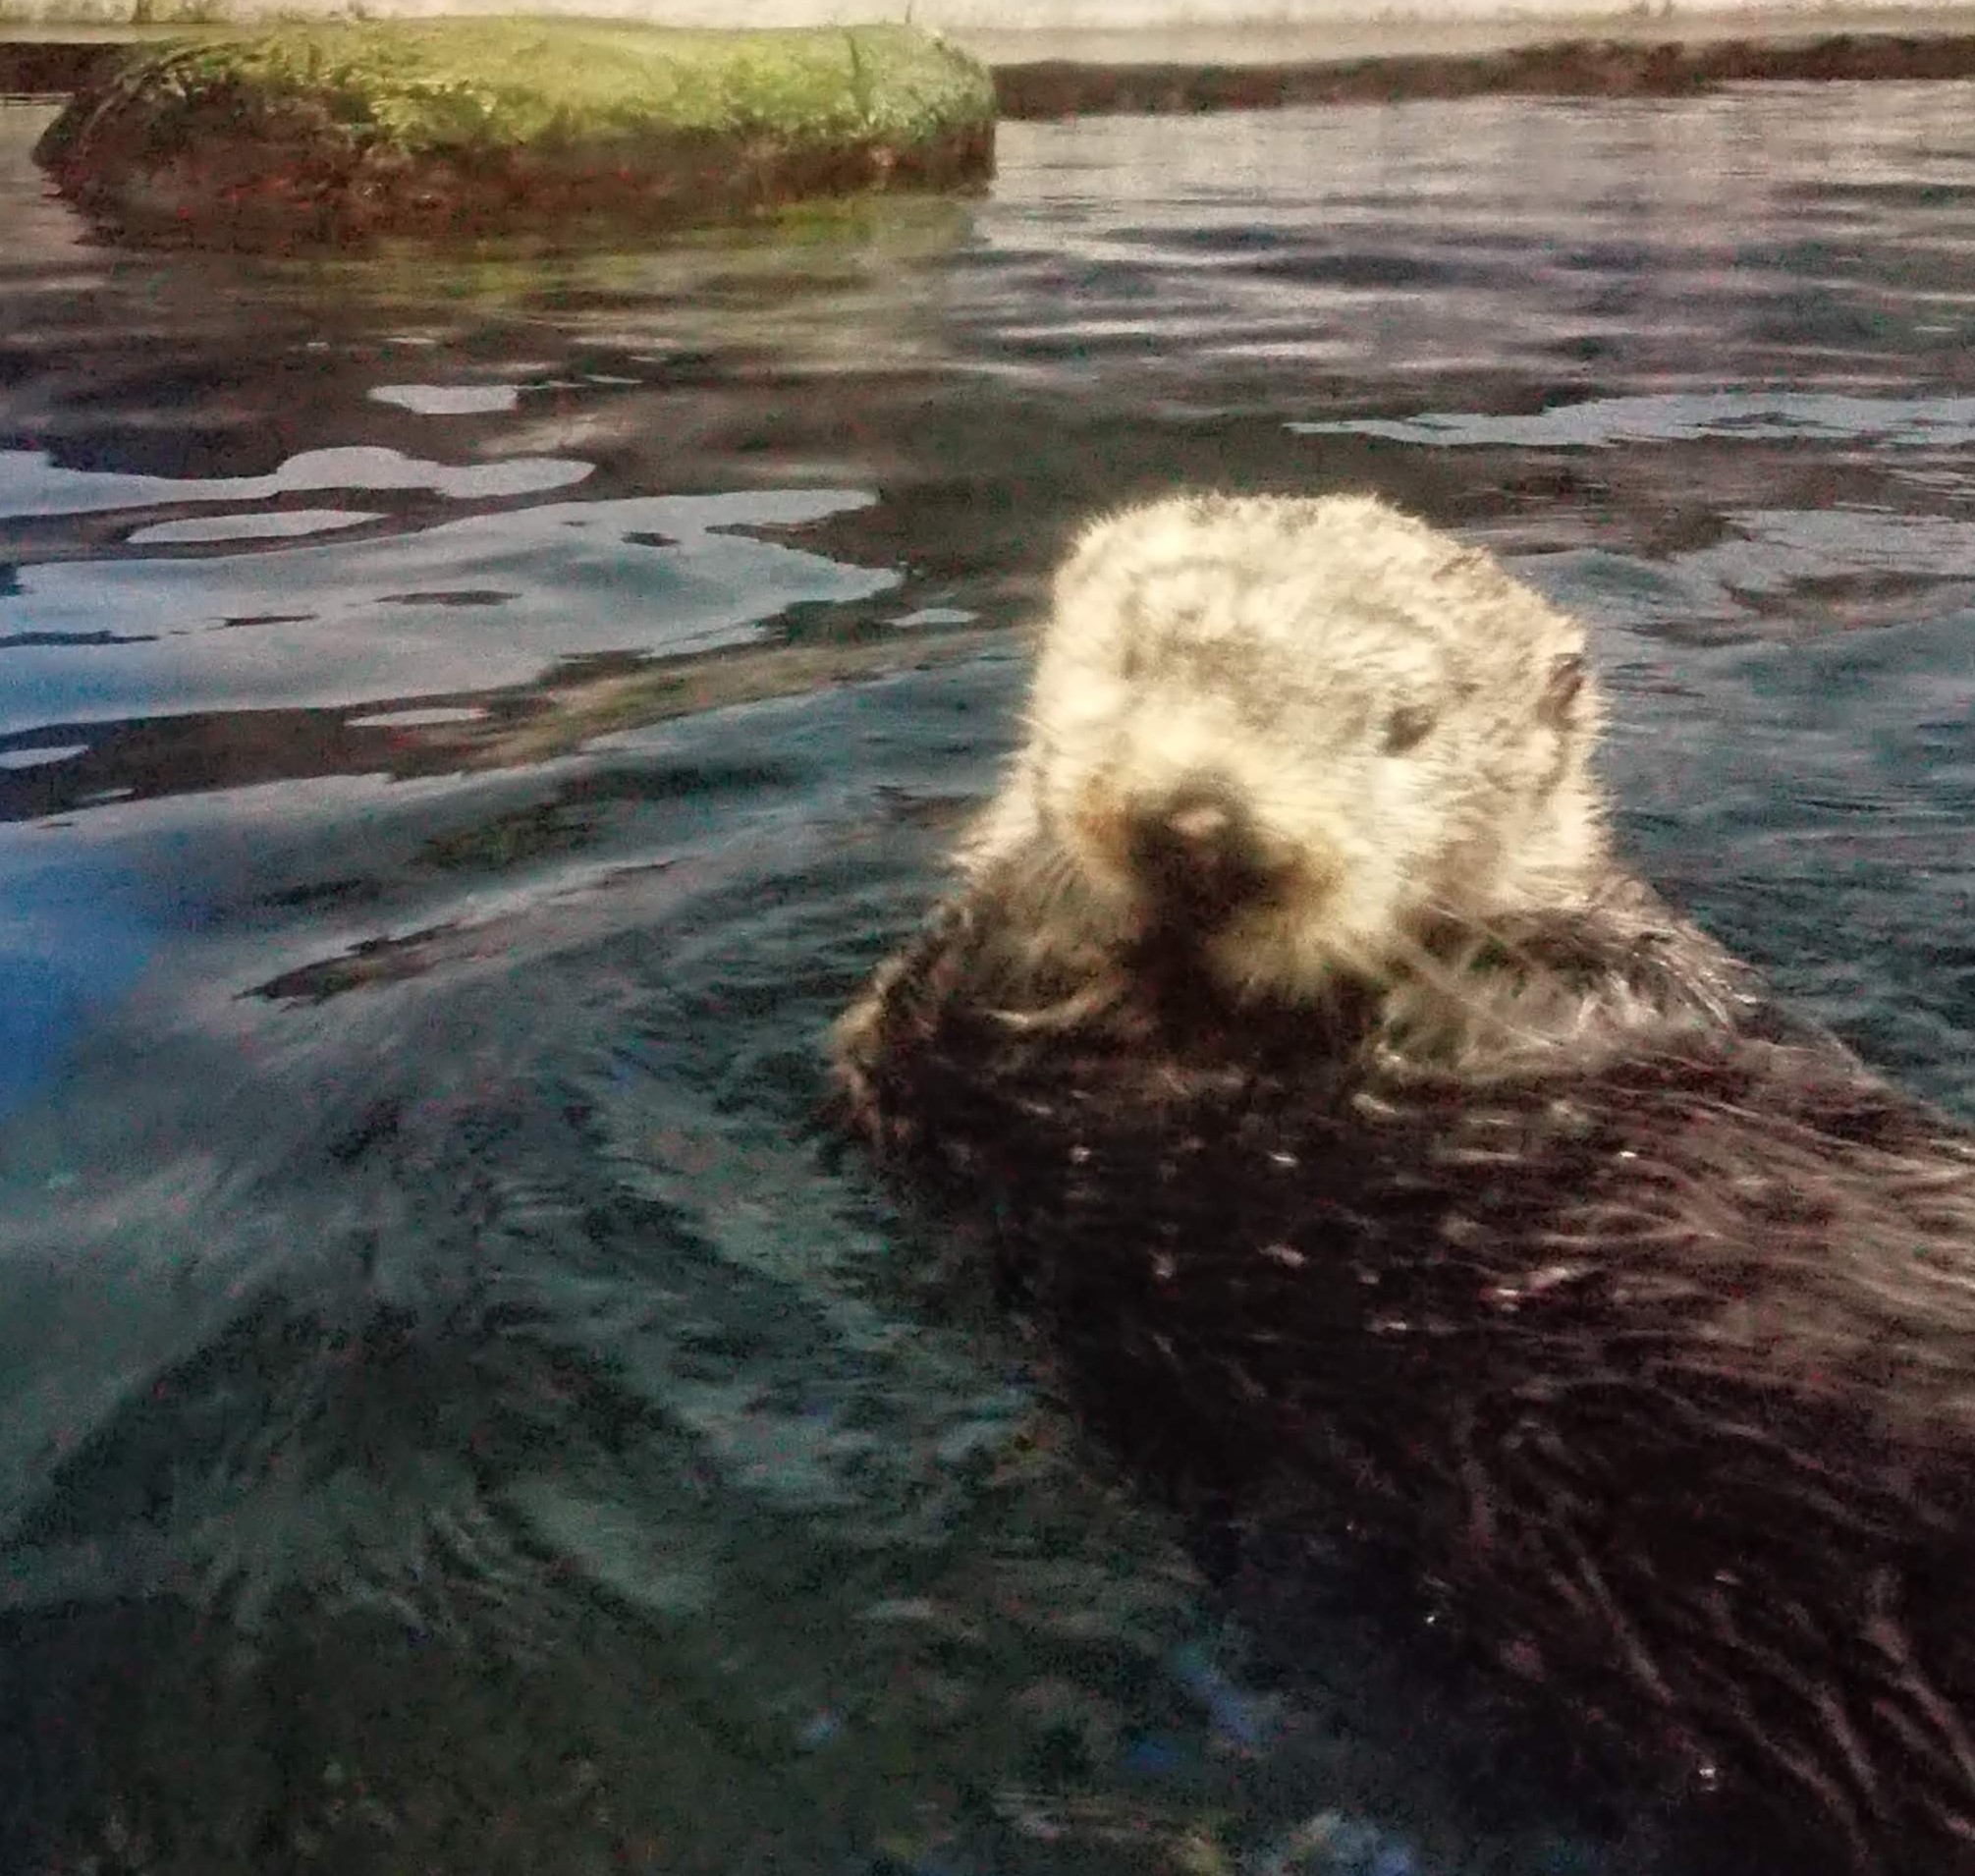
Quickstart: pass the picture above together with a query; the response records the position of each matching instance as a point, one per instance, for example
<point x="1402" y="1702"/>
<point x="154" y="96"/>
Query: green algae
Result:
<point x="433" y="83"/>
<point x="352" y="127"/>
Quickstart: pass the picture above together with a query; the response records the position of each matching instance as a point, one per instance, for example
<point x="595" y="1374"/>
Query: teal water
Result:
<point x="467" y="721"/>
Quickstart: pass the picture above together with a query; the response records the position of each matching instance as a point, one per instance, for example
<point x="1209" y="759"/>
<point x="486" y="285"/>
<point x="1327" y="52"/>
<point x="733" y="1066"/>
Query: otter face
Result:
<point x="1299" y="735"/>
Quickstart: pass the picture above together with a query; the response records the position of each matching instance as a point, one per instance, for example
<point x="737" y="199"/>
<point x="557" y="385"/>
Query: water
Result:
<point x="466" y="722"/>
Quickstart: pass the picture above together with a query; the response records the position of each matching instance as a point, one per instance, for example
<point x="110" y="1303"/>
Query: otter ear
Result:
<point x="1562" y="691"/>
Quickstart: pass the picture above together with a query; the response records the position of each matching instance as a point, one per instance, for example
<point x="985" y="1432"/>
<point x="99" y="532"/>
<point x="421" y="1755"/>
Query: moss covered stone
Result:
<point x="312" y="133"/>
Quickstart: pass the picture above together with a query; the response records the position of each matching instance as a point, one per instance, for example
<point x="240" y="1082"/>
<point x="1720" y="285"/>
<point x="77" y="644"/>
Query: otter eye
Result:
<point x="1405" y="727"/>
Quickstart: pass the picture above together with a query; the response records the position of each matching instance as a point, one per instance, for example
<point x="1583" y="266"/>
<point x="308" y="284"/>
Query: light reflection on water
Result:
<point x="466" y="722"/>
<point x="452" y="605"/>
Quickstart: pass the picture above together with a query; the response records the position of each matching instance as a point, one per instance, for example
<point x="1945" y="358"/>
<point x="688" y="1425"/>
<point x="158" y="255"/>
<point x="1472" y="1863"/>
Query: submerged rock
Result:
<point x="309" y="134"/>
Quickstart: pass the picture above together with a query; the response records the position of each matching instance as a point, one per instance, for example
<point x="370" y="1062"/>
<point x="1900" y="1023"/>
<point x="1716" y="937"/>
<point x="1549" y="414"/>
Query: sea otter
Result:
<point x="1384" y="1163"/>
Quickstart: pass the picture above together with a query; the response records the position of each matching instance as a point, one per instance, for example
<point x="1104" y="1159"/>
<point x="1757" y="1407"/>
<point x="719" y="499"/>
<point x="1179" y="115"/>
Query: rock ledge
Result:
<point x="316" y="133"/>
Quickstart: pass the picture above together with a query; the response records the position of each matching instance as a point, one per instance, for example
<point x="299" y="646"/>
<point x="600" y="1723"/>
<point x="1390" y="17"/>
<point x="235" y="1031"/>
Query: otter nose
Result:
<point x="1195" y="850"/>
<point x="1200" y="821"/>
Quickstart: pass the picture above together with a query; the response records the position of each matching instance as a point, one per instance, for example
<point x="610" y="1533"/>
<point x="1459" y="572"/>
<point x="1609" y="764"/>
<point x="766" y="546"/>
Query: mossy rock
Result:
<point x="311" y="134"/>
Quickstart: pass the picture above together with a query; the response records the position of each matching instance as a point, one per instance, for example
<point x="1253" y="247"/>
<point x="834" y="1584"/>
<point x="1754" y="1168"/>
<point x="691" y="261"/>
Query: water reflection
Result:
<point x="464" y="723"/>
<point x="1934" y="423"/>
<point x="403" y="613"/>
<point x="32" y="486"/>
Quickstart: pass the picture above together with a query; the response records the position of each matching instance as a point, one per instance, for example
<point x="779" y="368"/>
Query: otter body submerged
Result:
<point x="1381" y="1161"/>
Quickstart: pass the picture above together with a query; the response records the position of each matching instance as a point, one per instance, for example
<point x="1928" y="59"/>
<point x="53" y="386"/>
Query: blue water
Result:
<point x="467" y="721"/>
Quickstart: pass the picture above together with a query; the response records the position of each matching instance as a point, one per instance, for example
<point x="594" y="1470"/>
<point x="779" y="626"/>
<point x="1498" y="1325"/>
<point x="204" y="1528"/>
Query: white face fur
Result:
<point x="1390" y="730"/>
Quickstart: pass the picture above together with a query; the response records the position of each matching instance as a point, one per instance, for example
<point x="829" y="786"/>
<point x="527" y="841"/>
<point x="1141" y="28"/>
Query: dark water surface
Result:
<point x="466" y="722"/>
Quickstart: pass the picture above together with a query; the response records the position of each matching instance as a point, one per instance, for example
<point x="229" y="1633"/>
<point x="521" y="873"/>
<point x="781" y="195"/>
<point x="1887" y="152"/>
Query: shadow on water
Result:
<point x="467" y="721"/>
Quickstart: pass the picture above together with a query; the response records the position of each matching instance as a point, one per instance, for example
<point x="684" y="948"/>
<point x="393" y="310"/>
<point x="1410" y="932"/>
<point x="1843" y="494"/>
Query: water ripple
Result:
<point x="1946" y="422"/>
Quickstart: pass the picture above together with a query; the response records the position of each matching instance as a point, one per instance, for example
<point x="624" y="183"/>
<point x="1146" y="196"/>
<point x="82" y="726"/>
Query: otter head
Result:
<point x="1300" y="737"/>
